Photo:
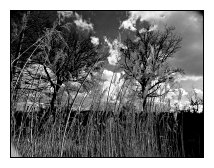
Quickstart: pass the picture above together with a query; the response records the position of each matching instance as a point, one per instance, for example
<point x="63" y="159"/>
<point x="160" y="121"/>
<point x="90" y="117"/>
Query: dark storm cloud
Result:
<point x="106" y="23"/>
<point x="190" y="26"/>
<point x="189" y="84"/>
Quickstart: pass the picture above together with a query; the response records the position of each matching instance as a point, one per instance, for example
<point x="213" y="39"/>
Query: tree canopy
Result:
<point x="145" y="60"/>
<point x="59" y="52"/>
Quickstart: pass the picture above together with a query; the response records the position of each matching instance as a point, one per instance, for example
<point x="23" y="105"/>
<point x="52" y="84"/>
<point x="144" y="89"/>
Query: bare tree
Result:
<point x="145" y="60"/>
<point x="69" y="53"/>
<point x="50" y="56"/>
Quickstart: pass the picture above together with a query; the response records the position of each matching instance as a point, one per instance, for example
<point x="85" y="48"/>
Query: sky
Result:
<point x="107" y="25"/>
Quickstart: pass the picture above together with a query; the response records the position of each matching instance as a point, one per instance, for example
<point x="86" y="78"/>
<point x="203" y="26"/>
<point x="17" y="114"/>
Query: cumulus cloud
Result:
<point x="111" y="76"/>
<point x="184" y="101"/>
<point x="150" y="15"/>
<point x="112" y="84"/>
<point x="184" y="92"/>
<point x="114" y="53"/>
<point x="78" y="20"/>
<point x="82" y="23"/>
<point x="198" y="91"/>
<point x="178" y="98"/>
<point x="188" y="24"/>
<point x="190" y="77"/>
<point x="95" y="40"/>
<point x="180" y="90"/>
<point x="177" y="95"/>
<point x="130" y="23"/>
<point x="152" y="28"/>
<point x="107" y="75"/>
<point x="65" y="14"/>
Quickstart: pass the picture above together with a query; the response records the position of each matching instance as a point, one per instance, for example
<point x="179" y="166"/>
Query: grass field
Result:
<point x="123" y="134"/>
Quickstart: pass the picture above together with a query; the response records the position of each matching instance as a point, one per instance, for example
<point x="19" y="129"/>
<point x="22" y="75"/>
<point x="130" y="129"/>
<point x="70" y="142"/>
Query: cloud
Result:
<point x="114" y="53"/>
<point x="150" y="15"/>
<point x="111" y="76"/>
<point x="177" y="100"/>
<point x="174" y="94"/>
<point x="78" y="20"/>
<point x="188" y="24"/>
<point x="153" y="28"/>
<point x="65" y="14"/>
<point x="107" y="75"/>
<point x="184" y="92"/>
<point x="112" y="84"/>
<point x="190" y="81"/>
<point x="198" y="91"/>
<point x="82" y="23"/>
<point x="190" y="77"/>
<point x="95" y="40"/>
<point x="130" y="23"/>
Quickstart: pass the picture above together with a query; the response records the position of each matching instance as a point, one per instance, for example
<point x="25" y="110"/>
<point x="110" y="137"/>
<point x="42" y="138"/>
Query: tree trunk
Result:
<point x="144" y="92"/>
<point x="52" y="109"/>
<point x="53" y="100"/>
<point x="144" y="103"/>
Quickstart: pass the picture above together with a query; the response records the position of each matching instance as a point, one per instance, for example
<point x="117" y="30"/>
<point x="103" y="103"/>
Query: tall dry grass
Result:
<point x="112" y="138"/>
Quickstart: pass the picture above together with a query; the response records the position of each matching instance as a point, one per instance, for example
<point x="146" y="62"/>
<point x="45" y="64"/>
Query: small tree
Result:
<point x="145" y="60"/>
<point x="195" y="101"/>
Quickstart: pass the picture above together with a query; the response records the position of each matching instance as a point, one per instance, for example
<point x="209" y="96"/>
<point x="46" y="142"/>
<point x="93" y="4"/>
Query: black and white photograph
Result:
<point x="107" y="84"/>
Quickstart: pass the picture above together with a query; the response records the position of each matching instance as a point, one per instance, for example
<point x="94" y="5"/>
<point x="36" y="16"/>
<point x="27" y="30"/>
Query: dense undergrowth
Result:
<point x="123" y="134"/>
